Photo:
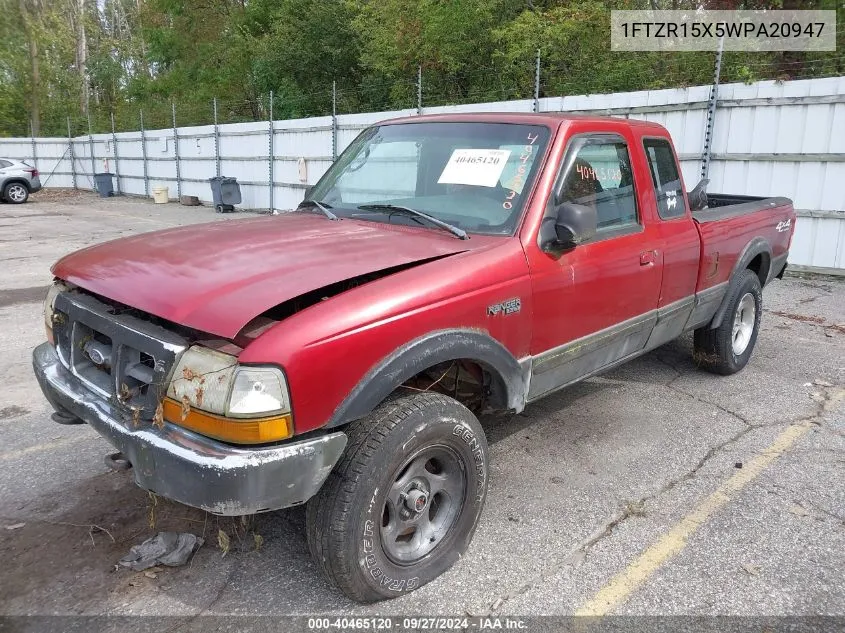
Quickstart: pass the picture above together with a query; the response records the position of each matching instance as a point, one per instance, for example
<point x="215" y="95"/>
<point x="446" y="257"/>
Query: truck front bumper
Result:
<point x="189" y="468"/>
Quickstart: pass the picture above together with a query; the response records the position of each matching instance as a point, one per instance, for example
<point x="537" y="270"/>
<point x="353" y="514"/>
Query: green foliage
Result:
<point x="14" y="95"/>
<point x="301" y="46"/>
<point x="149" y="54"/>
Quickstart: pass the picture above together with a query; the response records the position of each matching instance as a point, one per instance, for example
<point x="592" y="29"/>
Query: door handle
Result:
<point x="647" y="257"/>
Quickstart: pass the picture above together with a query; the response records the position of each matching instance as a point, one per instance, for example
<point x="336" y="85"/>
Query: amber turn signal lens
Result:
<point x="237" y="431"/>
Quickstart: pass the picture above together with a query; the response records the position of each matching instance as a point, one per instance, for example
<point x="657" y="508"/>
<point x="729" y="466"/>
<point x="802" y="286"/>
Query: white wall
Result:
<point x="770" y="138"/>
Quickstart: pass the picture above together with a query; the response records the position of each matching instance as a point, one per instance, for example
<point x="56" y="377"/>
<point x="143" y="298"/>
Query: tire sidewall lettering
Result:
<point x="477" y="451"/>
<point x="371" y="561"/>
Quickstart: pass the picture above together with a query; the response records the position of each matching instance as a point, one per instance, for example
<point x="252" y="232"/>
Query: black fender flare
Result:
<point x="757" y="246"/>
<point x="509" y="377"/>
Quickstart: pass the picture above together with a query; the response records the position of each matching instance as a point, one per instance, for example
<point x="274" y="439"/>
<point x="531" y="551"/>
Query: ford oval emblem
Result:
<point x="96" y="356"/>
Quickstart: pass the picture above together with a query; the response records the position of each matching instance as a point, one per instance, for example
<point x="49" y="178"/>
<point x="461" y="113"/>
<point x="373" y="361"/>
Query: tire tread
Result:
<point x="713" y="346"/>
<point x="328" y="513"/>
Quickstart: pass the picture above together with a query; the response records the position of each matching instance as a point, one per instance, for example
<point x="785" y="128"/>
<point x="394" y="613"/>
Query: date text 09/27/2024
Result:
<point x="417" y="623"/>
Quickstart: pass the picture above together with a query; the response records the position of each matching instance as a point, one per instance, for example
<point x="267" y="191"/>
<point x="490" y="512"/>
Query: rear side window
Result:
<point x="664" y="175"/>
<point x="600" y="176"/>
<point x="4" y="164"/>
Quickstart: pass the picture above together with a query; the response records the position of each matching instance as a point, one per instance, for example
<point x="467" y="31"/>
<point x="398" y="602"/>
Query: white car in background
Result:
<point x="17" y="180"/>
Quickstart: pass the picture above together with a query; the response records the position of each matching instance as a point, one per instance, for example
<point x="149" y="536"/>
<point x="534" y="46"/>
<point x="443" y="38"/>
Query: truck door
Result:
<point x="597" y="302"/>
<point x="679" y="240"/>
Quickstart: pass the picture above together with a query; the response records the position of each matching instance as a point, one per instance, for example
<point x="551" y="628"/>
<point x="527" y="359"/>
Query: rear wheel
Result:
<point x="727" y="348"/>
<point x="403" y="502"/>
<point x="16" y="193"/>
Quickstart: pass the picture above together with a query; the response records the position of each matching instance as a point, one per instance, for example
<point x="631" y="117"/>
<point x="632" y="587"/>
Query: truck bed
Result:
<point x="732" y="223"/>
<point x="726" y="205"/>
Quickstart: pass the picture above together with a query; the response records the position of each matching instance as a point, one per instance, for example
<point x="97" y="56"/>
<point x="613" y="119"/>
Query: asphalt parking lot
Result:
<point x="653" y="489"/>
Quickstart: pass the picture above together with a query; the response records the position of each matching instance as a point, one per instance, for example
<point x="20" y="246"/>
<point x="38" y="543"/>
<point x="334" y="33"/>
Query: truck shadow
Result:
<point x="501" y="427"/>
<point x="657" y="366"/>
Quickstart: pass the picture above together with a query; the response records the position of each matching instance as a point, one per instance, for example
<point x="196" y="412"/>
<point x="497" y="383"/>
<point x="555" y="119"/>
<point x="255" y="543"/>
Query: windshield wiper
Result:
<point x="454" y="230"/>
<point x="321" y="206"/>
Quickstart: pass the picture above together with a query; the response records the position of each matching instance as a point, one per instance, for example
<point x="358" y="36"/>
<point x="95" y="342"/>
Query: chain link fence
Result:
<point x="764" y="138"/>
<point x="421" y="87"/>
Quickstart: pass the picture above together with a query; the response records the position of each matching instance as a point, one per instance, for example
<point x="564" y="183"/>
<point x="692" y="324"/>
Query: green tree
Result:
<point x="451" y="41"/>
<point x="92" y="58"/>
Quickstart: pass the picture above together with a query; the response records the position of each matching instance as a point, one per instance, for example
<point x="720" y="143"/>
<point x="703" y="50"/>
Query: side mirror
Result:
<point x="574" y="224"/>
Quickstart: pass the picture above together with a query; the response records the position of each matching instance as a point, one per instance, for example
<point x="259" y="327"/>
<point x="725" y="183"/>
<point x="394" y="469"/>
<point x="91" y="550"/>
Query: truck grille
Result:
<point x="123" y="358"/>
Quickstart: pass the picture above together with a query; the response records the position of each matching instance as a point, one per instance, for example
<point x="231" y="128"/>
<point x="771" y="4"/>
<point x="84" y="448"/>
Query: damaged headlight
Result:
<point x="214" y="395"/>
<point x="202" y="379"/>
<point x="257" y="391"/>
<point x="53" y="291"/>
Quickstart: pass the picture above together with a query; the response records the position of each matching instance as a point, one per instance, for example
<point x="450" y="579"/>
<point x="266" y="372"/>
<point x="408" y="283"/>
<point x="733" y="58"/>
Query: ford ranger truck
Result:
<point x="444" y="267"/>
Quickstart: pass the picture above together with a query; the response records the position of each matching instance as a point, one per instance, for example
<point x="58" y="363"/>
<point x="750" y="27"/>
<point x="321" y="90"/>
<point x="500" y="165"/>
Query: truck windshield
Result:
<point x="474" y="176"/>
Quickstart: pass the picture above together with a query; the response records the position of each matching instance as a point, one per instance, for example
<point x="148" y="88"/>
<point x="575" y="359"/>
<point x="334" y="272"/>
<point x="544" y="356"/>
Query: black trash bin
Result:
<point x="225" y="193"/>
<point x="103" y="183"/>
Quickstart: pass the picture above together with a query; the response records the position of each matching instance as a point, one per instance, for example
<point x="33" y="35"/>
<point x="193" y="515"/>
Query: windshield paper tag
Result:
<point x="479" y="167"/>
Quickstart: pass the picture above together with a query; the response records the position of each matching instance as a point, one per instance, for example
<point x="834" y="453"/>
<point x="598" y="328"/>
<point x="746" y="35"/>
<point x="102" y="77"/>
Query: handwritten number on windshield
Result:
<point x="519" y="180"/>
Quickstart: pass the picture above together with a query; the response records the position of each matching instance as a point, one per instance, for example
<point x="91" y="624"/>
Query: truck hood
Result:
<point x="217" y="277"/>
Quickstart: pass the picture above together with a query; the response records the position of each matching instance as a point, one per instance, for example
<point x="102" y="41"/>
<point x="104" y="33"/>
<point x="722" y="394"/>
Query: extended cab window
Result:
<point x="664" y="175"/>
<point x="599" y="175"/>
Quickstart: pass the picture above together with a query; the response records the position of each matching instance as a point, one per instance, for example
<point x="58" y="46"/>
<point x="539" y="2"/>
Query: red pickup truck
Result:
<point x="443" y="267"/>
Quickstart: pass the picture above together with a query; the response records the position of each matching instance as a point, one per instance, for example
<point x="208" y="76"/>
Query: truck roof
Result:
<point x="542" y="118"/>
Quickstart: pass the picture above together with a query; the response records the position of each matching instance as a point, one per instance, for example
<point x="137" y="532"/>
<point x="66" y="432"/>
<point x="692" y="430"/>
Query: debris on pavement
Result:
<point x="15" y="526"/>
<point x="800" y="317"/>
<point x="223" y="541"/>
<point x="63" y="194"/>
<point x="165" y="548"/>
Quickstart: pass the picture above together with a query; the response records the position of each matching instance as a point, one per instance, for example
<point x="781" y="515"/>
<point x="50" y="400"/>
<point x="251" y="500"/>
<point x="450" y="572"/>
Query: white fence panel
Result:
<point x="769" y="138"/>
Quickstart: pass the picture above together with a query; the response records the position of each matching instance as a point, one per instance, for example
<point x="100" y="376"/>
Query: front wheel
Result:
<point x="403" y="502"/>
<point x="16" y="193"/>
<point x="726" y="349"/>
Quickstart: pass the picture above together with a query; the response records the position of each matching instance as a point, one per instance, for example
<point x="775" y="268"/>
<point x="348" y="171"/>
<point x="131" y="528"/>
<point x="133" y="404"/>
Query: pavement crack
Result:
<point x="630" y="509"/>
<point x="573" y="558"/>
<point x="798" y="499"/>
<point x="722" y="408"/>
<point x="576" y="555"/>
<point x="831" y="515"/>
<point x="670" y="365"/>
<point x="217" y="596"/>
<point x="679" y="372"/>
